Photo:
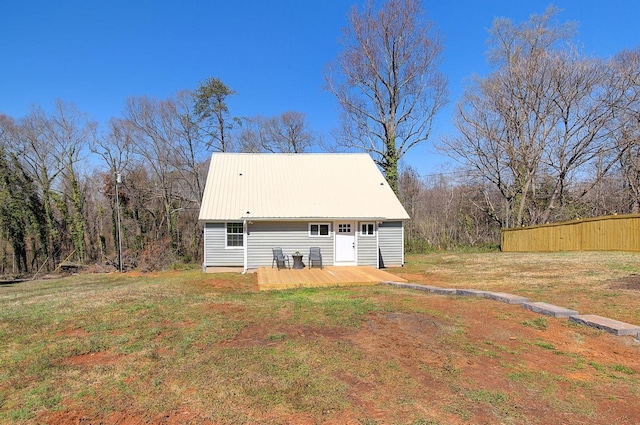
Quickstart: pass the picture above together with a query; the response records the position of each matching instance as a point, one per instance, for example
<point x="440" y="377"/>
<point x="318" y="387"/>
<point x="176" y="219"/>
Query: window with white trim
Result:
<point x="319" y="230"/>
<point x="235" y="235"/>
<point x="344" y="228"/>
<point x="367" y="229"/>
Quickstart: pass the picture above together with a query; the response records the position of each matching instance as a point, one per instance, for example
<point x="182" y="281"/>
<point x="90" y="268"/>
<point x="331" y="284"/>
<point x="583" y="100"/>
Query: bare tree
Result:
<point x="40" y="162"/>
<point x="168" y="144"/>
<point x="284" y="133"/>
<point x="626" y="122"/>
<point x="190" y="150"/>
<point x="387" y="82"/>
<point x="116" y="150"/>
<point x="153" y="143"/>
<point x="444" y="212"/>
<point x="71" y="132"/>
<point x="532" y="126"/>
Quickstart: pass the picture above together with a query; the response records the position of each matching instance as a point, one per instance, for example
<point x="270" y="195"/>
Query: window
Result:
<point x="235" y="235"/>
<point x="318" y="229"/>
<point x="367" y="229"/>
<point x="344" y="228"/>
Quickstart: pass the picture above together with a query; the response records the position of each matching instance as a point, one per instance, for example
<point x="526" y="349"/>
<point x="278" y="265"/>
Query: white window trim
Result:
<point x="226" y="234"/>
<point x="367" y="235"/>
<point x="344" y="226"/>
<point x="328" y="235"/>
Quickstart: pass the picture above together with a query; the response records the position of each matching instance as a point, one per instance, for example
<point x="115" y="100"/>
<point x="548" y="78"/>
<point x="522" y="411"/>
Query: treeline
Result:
<point x="550" y="134"/>
<point x="449" y="210"/>
<point x="59" y="178"/>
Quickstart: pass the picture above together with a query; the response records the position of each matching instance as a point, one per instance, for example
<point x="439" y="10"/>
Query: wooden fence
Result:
<point x="608" y="233"/>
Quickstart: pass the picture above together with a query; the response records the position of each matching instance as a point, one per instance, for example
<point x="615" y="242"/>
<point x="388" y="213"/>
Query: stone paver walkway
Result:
<point x="609" y="325"/>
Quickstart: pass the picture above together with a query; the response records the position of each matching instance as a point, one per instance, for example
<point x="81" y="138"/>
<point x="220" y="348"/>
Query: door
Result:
<point x="345" y="243"/>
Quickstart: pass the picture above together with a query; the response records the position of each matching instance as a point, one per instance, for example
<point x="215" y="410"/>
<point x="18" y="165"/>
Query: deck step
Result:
<point x="549" y="309"/>
<point x="612" y="326"/>
<point x="506" y="298"/>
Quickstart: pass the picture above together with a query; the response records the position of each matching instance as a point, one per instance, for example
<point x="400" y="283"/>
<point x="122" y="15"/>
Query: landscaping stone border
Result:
<point x="609" y="325"/>
<point x="549" y="309"/>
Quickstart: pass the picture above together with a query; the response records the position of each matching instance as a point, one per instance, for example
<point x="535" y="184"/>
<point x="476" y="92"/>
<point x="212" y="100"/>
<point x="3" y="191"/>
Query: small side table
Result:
<point x="297" y="262"/>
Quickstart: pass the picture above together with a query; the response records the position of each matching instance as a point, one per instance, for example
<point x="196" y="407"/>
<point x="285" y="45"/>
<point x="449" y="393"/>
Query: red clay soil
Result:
<point x="71" y="417"/>
<point x="494" y="347"/>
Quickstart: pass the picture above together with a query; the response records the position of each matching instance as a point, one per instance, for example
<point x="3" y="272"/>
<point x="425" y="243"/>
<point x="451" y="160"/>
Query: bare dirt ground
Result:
<point x="557" y="387"/>
<point x="433" y="359"/>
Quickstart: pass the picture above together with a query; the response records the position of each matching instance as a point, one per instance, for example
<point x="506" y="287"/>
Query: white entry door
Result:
<point x="345" y="243"/>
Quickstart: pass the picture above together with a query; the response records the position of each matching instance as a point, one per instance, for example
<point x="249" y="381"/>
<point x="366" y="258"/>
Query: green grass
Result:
<point x="500" y="403"/>
<point x="539" y="323"/>
<point x="545" y="345"/>
<point x="173" y="342"/>
<point x="162" y="332"/>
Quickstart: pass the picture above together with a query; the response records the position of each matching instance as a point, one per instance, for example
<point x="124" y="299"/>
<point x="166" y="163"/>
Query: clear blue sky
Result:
<point x="97" y="53"/>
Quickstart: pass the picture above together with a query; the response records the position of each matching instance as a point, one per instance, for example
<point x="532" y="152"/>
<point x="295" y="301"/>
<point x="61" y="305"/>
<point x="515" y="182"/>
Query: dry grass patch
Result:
<point x="183" y="347"/>
<point x="602" y="283"/>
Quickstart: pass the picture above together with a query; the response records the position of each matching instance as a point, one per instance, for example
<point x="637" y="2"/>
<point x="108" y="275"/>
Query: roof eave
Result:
<point x="204" y="220"/>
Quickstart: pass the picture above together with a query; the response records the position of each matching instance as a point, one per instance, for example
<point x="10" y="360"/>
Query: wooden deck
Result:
<point x="272" y="278"/>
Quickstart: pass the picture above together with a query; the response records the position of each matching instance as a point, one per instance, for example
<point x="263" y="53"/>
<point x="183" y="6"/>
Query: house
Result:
<point x="338" y="202"/>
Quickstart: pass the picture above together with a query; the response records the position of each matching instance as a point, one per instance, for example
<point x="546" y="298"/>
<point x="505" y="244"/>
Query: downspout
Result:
<point x="377" y="245"/>
<point x="204" y="247"/>
<point x="245" y="239"/>
<point x="402" y="243"/>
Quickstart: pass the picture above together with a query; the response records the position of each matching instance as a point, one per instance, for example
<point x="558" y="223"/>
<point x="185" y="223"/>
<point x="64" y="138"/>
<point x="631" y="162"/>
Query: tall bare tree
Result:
<point x="387" y="81"/>
<point x="40" y="161"/>
<point x="537" y="121"/>
<point x="191" y="154"/>
<point x="72" y="132"/>
<point x="625" y="69"/>
<point x="154" y="144"/>
<point x="116" y="150"/>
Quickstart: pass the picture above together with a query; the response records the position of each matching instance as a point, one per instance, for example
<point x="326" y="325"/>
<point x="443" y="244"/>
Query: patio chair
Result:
<point x="279" y="259"/>
<point x="315" y="256"/>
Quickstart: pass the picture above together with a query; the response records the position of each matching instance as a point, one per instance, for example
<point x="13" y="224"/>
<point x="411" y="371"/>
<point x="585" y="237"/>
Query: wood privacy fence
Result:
<point x="608" y="233"/>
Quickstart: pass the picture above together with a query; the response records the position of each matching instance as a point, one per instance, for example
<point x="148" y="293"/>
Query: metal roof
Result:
<point x="297" y="186"/>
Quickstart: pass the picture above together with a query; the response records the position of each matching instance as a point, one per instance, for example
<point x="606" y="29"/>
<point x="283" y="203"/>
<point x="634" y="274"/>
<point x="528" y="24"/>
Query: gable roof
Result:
<point x="243" y="186"/>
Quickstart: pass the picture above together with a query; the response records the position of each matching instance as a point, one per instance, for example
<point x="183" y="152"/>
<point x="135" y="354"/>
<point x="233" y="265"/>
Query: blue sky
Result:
<point x="97" y="53"/>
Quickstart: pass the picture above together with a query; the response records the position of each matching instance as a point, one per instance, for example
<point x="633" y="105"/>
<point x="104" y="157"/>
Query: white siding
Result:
<point x="291" y="236"/>
<point x="216" y="254"/>
<point x="391" y="242"/>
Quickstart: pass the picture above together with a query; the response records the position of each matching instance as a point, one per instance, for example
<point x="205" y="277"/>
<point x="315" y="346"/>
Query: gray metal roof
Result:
<point x="297" y="186"/>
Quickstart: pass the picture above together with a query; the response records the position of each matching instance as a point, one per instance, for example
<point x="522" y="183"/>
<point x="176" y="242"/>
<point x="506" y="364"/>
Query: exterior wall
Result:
<point x="216" y="254"/>
<point x="367" y="248"/>
<point x="291" y="236"/>
<point x="391" y="243"/>
<point x="294" y="236"/>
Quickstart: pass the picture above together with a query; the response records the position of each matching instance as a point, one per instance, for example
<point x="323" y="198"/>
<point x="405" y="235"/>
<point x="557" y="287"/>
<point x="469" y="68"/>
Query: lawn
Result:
<point x="184" y="347"/>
